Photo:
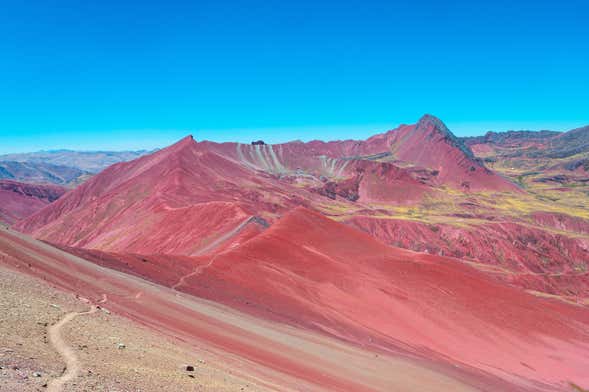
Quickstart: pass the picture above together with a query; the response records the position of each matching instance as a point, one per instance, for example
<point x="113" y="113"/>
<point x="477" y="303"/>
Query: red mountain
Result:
<point x="429" y="144"/>
<point x="157" y="203"/>
<point x="309" y="271"/>
<point x="259" y="228"/>
<point x="199" y="198"/>
<point x="19" y="200"/>
<point x="177" y="200"/>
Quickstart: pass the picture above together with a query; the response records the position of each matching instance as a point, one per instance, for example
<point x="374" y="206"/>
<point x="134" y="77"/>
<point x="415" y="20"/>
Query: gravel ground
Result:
<point x="148" y="361"/>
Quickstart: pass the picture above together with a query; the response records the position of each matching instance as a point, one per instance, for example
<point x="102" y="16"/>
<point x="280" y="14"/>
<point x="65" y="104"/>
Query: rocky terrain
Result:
<point x="114" y="354"/>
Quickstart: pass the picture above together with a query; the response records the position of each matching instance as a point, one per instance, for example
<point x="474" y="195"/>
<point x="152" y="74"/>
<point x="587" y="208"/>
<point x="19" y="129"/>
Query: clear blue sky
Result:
<point x="140" y="74"/>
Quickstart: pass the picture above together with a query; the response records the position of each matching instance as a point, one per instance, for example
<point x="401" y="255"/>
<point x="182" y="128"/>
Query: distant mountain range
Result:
<point x="42" y="173"/>
<point x="89" y="161"/>
<point x="61" y="167"/>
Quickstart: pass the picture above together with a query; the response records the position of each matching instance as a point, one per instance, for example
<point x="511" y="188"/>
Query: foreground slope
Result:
<point x="150" y="361"/>
<point x="309" y="270"/>
<point x="280" y="357"/>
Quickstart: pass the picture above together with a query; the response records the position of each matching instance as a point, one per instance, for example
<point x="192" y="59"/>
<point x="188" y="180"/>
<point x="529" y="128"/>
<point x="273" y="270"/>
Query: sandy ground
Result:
<point x="149" y="361"/>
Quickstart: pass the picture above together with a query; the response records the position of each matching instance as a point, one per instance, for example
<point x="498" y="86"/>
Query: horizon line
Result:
<point x="348" y="132"/>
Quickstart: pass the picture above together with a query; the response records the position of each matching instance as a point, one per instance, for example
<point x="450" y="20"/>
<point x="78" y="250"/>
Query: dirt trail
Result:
<point x="197" y="271"/>
<point x="72" y="363"/>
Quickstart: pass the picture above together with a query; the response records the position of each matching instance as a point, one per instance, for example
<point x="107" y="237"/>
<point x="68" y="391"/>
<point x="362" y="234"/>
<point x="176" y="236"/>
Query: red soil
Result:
<point x="526" y="256"/>
<point x="181" y="200"/>
<point x="19" y="200"/>
<point x="561" y="222"/>
<point x="286" y="357"/>
<point x="308" y="270"/>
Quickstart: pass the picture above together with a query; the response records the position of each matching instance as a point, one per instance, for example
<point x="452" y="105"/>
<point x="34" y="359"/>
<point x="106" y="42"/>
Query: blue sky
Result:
<point x="141" y="74"/>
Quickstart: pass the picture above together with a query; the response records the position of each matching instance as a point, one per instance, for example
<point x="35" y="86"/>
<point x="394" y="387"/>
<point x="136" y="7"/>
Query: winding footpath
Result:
<point x="197" y="271"/>
<point x="72" y="363"/>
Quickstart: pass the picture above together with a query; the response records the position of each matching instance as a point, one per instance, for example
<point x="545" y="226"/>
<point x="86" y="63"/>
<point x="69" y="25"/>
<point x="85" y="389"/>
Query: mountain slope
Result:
<point x="427" y="145"/>
<point x="274" y="355"/>
<point x="195" y="199"/>
<point x="19" y="200"/>
<point x="309" y="271"/>
<point x="41" y="173"/>
<point x="158" y="203"/>
<point x="182" y="200"/>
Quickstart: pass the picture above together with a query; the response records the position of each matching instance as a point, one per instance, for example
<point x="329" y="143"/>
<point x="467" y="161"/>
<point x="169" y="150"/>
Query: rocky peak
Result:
<point x="433" y="126"/>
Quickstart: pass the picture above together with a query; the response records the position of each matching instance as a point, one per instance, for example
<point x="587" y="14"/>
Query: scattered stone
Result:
<point x="121" y="346"/>
<point x="54" y="306"/>
<point x="36" y="374"/>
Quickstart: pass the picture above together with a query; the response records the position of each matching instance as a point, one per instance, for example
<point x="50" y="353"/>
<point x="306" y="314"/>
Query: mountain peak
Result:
<point x="180" y="145"/>
<point x="432" y="125"/>
<point x="189" y="139"/>
<point x="428" y="119"/>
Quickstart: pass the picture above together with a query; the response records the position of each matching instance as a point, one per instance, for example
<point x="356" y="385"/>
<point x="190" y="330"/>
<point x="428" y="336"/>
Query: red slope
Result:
<point x="523" y="255"/>
<point x="286" y="358"/>
<point x="309" y="270"/>
<point x="187" y="198"/>
<point x="180" y="200"/>
<point x="428" y="144"/>
<point x="19" y="200"/>
<point x="190" y="199"/>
